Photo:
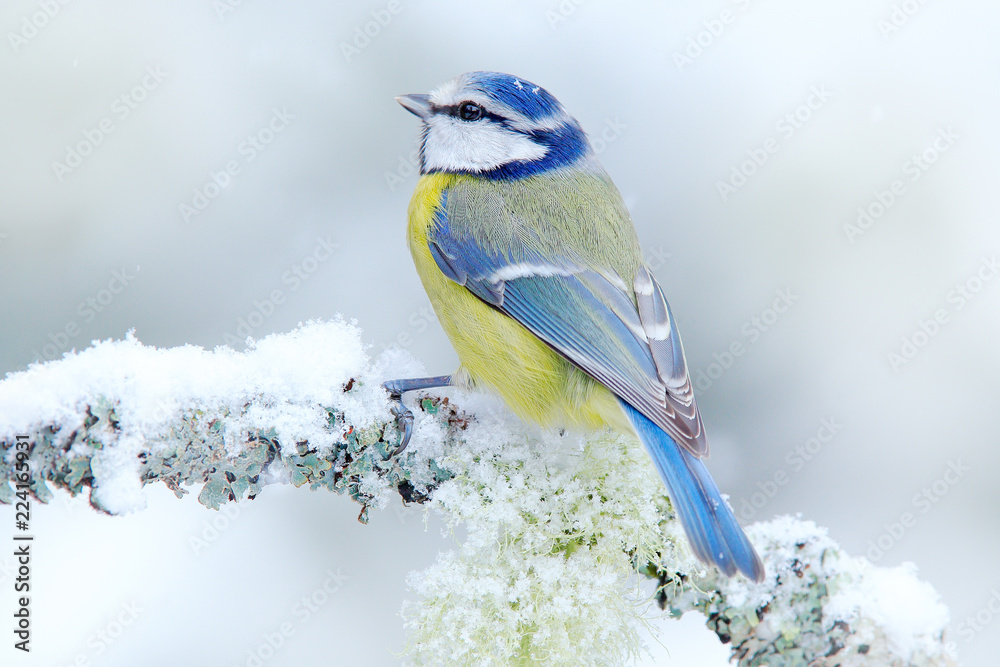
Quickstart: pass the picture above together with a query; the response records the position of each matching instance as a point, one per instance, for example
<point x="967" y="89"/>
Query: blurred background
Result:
<point x="815" y="185"/>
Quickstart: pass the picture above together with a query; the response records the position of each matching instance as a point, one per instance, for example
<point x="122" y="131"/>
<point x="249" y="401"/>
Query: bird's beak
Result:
<point x="418" y="105"/>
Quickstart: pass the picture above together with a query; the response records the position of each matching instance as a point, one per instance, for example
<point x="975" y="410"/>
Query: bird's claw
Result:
<point x="404" y="418"/>
<point x="404" y="421"/>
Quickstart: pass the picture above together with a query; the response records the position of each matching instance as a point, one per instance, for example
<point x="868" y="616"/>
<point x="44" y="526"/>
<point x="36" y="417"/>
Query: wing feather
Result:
<point x="618" y="331"/>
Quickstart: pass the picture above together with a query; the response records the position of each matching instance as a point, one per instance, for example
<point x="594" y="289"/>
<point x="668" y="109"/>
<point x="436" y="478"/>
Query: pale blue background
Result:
<point x="671" y="134"/>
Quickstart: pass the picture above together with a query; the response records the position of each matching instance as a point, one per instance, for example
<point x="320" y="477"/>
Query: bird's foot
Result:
<point x="403" y="415"/>
<point x="404" y="418"/>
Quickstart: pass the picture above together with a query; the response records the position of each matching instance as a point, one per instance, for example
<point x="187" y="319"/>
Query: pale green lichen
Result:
<point x="197" y="449"/>
<point x="561" y="530"/>
<point x="557" y="528"/>
<point x="553" y="535"/>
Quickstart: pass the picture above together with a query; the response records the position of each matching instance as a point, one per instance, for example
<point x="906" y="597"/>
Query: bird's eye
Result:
<point x="470" y="111"/>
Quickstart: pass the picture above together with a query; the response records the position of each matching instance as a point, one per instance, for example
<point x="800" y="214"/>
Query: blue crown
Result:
<point x="533" y="101"/>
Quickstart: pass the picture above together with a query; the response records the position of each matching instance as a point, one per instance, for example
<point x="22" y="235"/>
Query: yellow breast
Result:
<point x="496" y="352"/>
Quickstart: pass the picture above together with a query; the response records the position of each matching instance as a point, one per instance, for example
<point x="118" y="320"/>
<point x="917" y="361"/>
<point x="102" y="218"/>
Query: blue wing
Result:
<point x="617" y="329"/>
<point x="624" y="337"/>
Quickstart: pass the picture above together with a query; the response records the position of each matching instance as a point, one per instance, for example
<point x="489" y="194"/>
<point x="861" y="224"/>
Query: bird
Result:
<point x="533" y="266"/>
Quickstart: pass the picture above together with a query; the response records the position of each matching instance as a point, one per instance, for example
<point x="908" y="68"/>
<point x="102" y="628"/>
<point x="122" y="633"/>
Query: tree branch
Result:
<point x="555" y="523"/>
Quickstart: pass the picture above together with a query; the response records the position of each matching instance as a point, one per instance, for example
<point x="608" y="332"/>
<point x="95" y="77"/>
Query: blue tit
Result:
<point x="533" y="266"/>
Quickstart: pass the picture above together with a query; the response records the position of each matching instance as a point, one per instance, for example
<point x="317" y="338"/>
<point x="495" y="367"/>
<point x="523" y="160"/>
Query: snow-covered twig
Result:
<point x="301" y="408"/>
<point x="557" y="525"/>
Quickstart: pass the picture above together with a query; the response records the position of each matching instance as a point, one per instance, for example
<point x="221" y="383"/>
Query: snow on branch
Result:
<point x="558" y="525"/>
<point x="304" y="408"/>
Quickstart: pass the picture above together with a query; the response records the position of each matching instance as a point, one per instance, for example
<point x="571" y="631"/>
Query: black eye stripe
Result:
<point x="454" y="110"/>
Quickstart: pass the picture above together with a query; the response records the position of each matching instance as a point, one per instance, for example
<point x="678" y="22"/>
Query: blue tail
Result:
<point x="709" y="523"/>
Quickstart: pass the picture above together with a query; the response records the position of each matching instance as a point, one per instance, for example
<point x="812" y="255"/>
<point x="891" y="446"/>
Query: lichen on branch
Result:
<point x="571" y="546"/>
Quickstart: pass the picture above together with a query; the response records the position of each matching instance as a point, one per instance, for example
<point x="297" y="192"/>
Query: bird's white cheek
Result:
<point x="455" y="145"/>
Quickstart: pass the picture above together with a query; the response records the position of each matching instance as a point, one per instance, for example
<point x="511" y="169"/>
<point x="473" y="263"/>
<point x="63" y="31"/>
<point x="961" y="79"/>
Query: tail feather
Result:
<point x="715" y="536"/>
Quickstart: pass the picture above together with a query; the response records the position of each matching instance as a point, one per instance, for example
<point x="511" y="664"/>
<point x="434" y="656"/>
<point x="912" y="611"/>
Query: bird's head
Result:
<point x="495" y="125"/>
